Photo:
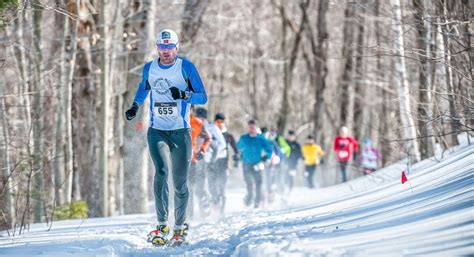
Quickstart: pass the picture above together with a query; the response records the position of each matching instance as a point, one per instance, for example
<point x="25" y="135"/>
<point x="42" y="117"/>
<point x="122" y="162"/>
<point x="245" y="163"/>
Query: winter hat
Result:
<point x="367" y="141"/>
<point x="201" y="113"/>
<point x="344" y="130"/>
<point x="219" y="116"/>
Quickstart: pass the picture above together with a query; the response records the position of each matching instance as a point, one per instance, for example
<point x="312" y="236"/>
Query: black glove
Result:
<point x="132" y="112"/>
<point x="199" y="155"/>
<point x="236" y="158"/>
<point x="176" y="93"/>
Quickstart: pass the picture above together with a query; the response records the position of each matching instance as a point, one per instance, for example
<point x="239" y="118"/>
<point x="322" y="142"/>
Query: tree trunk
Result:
<point x="62" y="26"/>
<point x="466" y="10"/>
<point x="105" y="109"/>
<point x="194" y="10"/>
<point x="254" y="55"/>
<point x="317" y="65"/>
<point x="425" y="107"/>
<point x="72" y="185"/>
<point x="360" y="103"/>
<point x="454" y="119"/>
<point x="84" y="113"/>
<point x="21" y="187"/>
<point x="38" y="165"/>
<point x="290" y="62"/>
<point x="134" y="148"/>
<point x="118" y="79"/>
<point x="406" y="114"/>
<point x="346" y="87"/>
<point x="7" y="209"/>
<point x="384" y="116"/>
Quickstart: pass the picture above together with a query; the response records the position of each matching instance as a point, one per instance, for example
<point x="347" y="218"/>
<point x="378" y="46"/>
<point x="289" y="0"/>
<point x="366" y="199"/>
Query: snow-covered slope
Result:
<point x="374" y="215"/>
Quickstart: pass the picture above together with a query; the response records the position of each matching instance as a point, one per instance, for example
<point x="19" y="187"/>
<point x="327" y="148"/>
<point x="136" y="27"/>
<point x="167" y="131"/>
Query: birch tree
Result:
<point x="400" y="78"/>
<point x="105" y="107"/>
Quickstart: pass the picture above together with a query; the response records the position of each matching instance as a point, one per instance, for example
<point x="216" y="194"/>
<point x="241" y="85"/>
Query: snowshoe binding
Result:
<point x="158" y="236"/>
<point x="179" y="236"/>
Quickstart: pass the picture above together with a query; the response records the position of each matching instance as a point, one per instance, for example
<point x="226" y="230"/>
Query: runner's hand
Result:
<point x="200" y="155"/>
<point x="132" y="112"/>
<point x="236" y="157"/>
<point x="176" y="93"/>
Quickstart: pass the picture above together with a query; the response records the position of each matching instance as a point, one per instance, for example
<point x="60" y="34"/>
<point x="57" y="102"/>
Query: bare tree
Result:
<point x="84" y="110"/>
<point x="290" y="57"/>
<point x="346" y="86"/>
<point x="134" y="150"/>
<point x="317" y="63"/>
<point x="7" y="210"/>
<point x="104" y="21"/>
<point x="446" y="28"/>
<point x="194" y="11"/>
<point x="384" y="124"/>
<point x="38" y="165"/>
<point x="425" y="108"/>
<point x="69" y="51"/>
<point x="406" y="113"/>
<point x="360" y="121"/>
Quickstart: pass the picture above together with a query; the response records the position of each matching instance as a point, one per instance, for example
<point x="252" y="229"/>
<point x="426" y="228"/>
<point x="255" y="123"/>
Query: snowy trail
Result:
<point x="374" y="215"/>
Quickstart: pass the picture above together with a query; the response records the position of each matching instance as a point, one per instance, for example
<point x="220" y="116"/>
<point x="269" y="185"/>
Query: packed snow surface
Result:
<point x="374" y="215"/>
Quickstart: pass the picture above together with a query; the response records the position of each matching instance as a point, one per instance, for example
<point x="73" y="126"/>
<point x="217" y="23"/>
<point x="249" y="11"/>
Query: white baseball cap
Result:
<point x="167" y="36"/>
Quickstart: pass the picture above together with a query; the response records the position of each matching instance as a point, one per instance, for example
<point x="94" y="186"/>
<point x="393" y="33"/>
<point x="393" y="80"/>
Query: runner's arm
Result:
<point x="206" y="136"/>
<point x="233" y="144"/>
<point x="198" y="94"/>
<point x="142" y="91"/>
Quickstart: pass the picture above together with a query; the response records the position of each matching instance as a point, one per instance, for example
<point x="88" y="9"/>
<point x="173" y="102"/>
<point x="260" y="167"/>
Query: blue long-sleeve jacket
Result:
<point x="252" y="148"/>
<point x="165" y="112"/>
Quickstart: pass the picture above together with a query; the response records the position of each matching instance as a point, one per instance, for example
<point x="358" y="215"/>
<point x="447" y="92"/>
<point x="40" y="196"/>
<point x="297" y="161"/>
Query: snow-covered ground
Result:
<point x="369" y="216"/>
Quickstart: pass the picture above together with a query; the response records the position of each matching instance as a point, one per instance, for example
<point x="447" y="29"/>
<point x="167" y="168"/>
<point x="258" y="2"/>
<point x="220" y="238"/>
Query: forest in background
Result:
<point x="399" y="72"/>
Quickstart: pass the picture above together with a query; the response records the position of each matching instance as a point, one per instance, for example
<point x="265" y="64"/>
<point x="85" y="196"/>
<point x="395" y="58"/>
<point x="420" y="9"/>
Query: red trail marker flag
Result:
<point x="404" y="177"/>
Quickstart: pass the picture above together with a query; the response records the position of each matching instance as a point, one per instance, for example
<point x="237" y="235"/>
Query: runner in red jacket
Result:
<point x="344" y="144"/>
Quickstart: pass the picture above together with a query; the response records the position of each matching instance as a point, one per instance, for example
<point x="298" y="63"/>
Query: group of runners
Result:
<point x="195" y="150"/>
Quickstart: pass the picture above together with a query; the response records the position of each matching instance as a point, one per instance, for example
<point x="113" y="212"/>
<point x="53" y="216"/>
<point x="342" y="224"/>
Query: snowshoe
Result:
<point x="158" y="236"/>
<point x="179" y="236"/>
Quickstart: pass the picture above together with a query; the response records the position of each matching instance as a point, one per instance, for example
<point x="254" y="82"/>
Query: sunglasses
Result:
<point x="166" y="46"/>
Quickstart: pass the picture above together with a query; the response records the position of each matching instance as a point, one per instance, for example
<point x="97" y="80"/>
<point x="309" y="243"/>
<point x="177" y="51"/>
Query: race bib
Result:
<point x="343" y="154"/>
<point x="166" y="109"/>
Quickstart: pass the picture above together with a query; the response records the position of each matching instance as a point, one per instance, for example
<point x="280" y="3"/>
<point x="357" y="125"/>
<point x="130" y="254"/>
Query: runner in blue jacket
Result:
<point x="255" y="150"/>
